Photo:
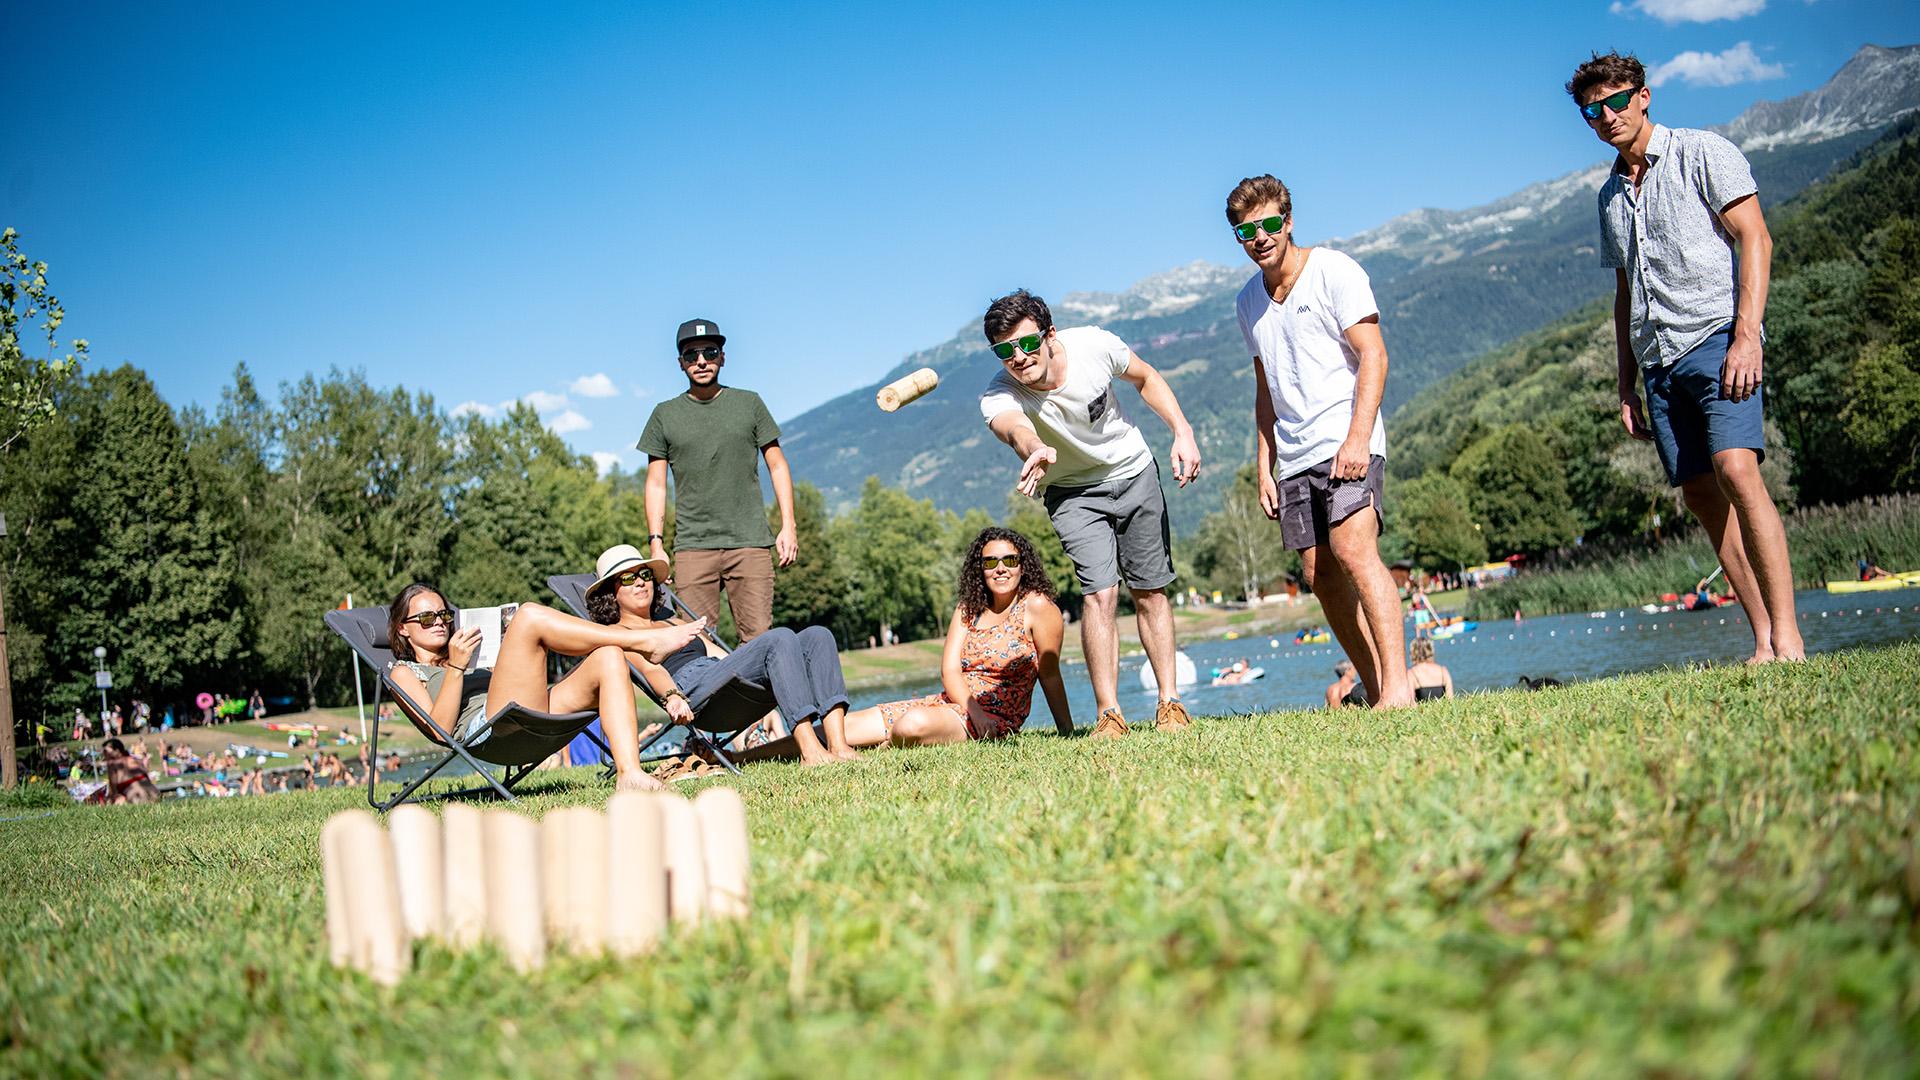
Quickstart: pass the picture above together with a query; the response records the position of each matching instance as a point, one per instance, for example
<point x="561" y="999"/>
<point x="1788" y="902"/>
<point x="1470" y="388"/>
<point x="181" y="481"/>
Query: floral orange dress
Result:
<point x="1000" y="666"/>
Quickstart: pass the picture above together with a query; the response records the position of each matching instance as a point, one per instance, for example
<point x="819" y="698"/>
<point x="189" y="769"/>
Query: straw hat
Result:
<point x="617" y="560"/>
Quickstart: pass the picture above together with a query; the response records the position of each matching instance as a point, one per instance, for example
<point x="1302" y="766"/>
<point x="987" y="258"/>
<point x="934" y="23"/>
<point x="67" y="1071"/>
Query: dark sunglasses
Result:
<point x="633" y="577"/>
<point x="705" y="352"/>
<point x="1011" y="562"/>
<point x="1615" y="102"/>
<point x="1247" y="230"/>
<point x="431" y="618"/>
<point x="1029" y="344"/>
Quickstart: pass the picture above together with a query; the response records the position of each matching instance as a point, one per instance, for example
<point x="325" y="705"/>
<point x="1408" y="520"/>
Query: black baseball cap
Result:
<point x="697" y="328"/>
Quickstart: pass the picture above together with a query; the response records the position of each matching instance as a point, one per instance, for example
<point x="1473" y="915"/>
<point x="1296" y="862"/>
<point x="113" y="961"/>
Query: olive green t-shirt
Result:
<point x="713" y="450"/>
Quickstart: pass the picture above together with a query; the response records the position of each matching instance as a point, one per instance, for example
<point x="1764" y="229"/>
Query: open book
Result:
<point x="492" y="623"/>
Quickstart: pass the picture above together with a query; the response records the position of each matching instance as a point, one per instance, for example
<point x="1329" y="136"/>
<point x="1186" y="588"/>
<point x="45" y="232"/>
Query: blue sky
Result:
<point x="488" y="202"/>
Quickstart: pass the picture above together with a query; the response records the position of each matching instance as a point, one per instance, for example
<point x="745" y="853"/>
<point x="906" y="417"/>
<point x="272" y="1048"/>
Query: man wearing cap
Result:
<point x="711" y="438"/>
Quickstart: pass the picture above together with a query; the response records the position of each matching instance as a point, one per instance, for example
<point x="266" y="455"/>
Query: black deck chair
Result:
<point x="520" y="739"/>
<point x="572" y="590"/>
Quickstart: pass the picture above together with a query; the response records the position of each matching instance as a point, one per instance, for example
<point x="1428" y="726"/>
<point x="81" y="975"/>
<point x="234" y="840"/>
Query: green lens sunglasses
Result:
<point x="1247" y="230"/>
<point x="1615" y="102"/>
<point x="1029" y="344"/>
<point x="634" y="577"/>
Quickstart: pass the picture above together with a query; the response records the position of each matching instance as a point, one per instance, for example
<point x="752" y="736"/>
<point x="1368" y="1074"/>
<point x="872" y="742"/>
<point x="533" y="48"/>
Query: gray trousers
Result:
<point x="797" y="673"/>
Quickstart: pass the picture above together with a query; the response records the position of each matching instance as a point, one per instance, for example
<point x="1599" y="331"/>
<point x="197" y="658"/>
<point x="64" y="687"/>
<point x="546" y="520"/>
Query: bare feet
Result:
<point x="1761" y="656"/>
<point x="812" y="754"/>
<point x="845" y="753"/>
<point x="636" y="779"/>
<point x="663" y="641"/>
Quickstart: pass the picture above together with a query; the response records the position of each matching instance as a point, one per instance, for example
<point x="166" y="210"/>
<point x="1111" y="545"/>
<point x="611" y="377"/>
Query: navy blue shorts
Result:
<point x="1691" y="421"/>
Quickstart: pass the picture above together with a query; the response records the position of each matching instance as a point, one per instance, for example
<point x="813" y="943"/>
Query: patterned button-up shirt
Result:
<point x="1682" y="275"/>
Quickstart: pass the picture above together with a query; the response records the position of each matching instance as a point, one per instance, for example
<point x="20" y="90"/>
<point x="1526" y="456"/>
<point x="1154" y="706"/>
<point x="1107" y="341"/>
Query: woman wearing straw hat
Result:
<point x="798" y="673"/>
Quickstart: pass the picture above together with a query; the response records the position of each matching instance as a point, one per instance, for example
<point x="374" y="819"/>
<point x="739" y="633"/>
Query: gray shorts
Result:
<point x="1311" y="503"/>
<point x="1115" y="529"/>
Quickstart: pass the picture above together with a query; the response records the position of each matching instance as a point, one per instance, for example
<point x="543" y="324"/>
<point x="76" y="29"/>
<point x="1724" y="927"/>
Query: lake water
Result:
<point x="1566" y="647"/>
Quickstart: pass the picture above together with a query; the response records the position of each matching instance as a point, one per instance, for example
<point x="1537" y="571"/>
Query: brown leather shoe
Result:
<point x="1171" y="716"/>
<point x="1111" y="725"/>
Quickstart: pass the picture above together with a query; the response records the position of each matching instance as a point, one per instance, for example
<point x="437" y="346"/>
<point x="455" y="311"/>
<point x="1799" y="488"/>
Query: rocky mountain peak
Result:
<point x="1166" y="293"/>
<point x="1876" y="86"/>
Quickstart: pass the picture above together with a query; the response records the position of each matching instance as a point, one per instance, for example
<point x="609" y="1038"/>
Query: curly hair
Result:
<point x="1606" y="70"/>
<point x="973" y="580"/>
<point x="1006" y="313"/>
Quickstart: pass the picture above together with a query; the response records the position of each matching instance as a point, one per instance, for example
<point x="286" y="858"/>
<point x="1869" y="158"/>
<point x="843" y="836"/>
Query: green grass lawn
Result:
<point x="1708" y="873"/>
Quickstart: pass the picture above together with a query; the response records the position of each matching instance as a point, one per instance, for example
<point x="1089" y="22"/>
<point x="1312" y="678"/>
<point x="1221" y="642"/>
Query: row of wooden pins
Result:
<point x="577" y="879"/>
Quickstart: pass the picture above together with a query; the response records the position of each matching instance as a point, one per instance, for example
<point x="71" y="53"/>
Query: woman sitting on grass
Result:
<point x="799" y="673"/>
<point x="421" y="634"/>
<point x="1004" y="637"/>
<point x="1430" y="678"/>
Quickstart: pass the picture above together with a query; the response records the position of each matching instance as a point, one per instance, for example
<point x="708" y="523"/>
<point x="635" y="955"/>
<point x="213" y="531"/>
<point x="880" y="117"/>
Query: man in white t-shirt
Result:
<point x="1320" y="368"/>
<point x="1054" y="402"/>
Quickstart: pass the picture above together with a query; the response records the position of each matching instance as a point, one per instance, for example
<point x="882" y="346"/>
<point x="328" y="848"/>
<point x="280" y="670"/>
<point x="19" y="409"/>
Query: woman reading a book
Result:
<point x="428" y="648"/>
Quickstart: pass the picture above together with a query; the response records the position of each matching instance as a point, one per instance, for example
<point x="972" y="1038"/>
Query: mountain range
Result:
<point x="1451" y="285"/>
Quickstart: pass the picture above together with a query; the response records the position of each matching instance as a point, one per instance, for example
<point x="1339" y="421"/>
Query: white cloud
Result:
<point x="568" y="422"/>
<point x="604" y="461"/>
<point x="544" y="402"/>
<point x="596" y="385"/>
<point x="642" y="393"/>
<point x="1737" y="65"/>
<point x="476" y="408"/>
<point x="1679" y="11"/>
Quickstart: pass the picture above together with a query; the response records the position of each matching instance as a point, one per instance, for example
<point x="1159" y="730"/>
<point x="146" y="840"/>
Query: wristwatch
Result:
<point x="656" y="536"/>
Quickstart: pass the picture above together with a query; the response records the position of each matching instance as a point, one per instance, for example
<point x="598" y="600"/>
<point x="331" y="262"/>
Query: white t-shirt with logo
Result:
<point x="1311" y="369"/>
<point x="1081" y="419"/>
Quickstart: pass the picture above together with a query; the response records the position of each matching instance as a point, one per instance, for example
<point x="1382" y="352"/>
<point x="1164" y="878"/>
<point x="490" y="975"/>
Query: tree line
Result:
<point x="201" y="548"/>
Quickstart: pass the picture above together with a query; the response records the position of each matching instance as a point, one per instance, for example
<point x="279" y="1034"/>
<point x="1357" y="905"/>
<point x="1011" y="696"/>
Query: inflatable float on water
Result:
<point x="1907" y="580"/>
<point x="1234" y="676"/>
<point x="1185" y="674"/>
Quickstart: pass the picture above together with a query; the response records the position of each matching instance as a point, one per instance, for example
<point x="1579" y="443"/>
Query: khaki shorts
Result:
<point x="745" y="573"/>
<point x="1312" y="502"/>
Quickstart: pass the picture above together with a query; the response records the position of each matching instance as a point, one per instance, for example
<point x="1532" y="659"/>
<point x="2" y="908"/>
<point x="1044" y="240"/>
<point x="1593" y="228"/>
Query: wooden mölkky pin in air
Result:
<point x="907" y="389"/>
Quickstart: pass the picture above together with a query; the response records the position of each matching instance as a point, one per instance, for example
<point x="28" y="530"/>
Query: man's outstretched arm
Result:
<point x="1013" y="428"/>
<point x="1159" y="397"/>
